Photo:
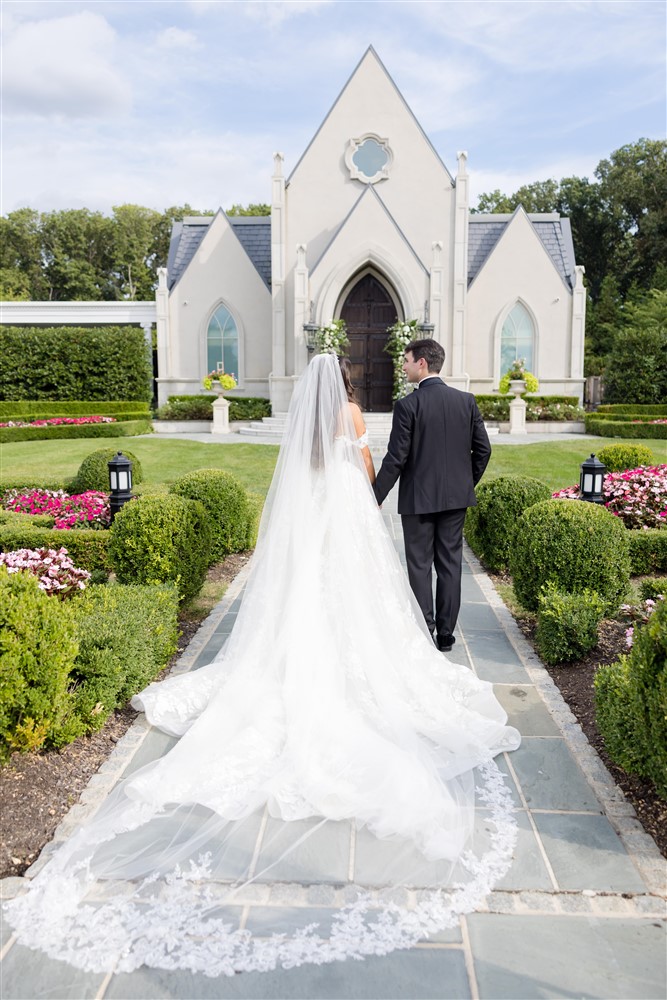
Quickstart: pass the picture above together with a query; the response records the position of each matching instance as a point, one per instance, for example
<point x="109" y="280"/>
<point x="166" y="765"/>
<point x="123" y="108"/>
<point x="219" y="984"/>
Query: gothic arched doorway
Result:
<point x="368" y="311"/>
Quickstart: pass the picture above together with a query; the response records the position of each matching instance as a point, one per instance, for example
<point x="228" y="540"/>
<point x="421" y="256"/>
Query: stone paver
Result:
<point x="579" y="914"/>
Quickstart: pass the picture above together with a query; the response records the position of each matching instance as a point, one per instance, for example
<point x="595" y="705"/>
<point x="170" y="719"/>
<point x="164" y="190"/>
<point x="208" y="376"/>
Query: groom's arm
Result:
<point x="481" y="446"/>
<point x="398" y="450"/>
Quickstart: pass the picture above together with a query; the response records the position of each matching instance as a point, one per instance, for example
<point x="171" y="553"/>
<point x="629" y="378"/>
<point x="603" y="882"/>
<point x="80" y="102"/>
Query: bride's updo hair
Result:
<point x="346" y="371"/>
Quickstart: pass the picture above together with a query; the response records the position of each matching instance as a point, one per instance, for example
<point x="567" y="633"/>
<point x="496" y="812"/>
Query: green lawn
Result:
<point x="163" y="460"/>
<point x="557" y="463"/>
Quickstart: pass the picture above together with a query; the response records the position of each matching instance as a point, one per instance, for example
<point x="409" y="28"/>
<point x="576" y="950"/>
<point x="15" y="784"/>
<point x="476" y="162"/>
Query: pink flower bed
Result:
<point x="56" y="421"/>
<point x="80" y="510"/>
<point x="661" y="421"/>
<point x="637" y="496"/>
<point x="57" y="574"/>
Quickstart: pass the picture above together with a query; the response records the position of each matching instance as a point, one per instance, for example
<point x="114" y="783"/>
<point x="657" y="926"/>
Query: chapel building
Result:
<point x="371" y="227"/>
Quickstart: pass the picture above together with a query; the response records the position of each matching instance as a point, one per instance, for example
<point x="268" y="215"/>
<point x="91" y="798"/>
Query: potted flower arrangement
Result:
<point x="524" y="381"/>
<point x="400" y="335"/>
<point x="332" y="338"/>
<point x="219" y="381"/>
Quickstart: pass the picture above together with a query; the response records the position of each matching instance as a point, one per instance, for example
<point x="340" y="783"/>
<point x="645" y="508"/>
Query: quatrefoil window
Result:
<point x="368" y="158"/>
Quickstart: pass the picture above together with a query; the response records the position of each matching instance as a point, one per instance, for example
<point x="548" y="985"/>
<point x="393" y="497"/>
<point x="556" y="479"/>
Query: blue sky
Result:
<point x="160" y="103"/>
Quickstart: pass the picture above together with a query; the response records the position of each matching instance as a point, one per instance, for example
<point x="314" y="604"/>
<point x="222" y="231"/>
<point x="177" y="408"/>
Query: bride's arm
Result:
<point x="360" y="429"/>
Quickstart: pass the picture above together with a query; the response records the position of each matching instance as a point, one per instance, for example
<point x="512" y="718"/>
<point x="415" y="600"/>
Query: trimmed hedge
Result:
<point x="76" y="363"/>
<point x="567" y="624"/>
<point x="648" y="550"/>
<point x="41" y="409"/>
<point x="28" y="483"/>
<point x="126" y="636"/>
<point x="93" y="473"/>
<point x="88" y="548"/>
<point x="577" y="546"/>
<point x="490" y="526"/>
<point x="199" y="407"/>
<point x="619" y="457"/>
<point x="627" y="418"/>
<point x="38" y="644"/>
<point x="631" y="703"/>
<point x="624" y="429"/>
<point x="225" y="501"/>
<point x="660" y="409"/>
<point x="124" y="428"/>
<point x="497" y="407"/>
<point x="652" y="587"/>
<point x="162" y="539"/>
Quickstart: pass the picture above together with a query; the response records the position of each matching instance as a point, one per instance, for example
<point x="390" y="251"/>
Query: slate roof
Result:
<point x="555" y="233"/>
<point x="253" y="232"/>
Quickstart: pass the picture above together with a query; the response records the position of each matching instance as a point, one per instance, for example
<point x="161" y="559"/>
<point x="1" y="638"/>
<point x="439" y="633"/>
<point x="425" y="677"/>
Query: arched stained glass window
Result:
<point x="222" y="342"/>
<point x="517" y="339"/>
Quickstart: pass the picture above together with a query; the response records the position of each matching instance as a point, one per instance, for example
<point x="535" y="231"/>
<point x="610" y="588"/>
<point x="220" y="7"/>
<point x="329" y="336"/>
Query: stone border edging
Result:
<point x="641" y="847"/>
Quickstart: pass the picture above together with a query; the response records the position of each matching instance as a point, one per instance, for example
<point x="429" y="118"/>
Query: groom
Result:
<point x="439" y="448"/>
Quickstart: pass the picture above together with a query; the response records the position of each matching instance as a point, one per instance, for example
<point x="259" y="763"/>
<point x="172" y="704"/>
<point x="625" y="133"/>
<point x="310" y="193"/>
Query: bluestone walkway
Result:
<point x="580" y="913"/>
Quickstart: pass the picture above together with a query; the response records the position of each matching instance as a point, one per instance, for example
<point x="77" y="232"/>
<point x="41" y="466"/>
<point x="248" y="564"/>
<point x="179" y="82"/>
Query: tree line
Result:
<point x="76" y="254"/>
<point x="618" y="219"/>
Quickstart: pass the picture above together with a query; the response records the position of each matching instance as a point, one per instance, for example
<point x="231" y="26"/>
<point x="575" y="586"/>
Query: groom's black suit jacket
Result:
<point x="438" y="446"/>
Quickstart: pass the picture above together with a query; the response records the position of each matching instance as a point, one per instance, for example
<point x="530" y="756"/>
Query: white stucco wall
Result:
<point x="220" y="272"/>
<point x="519" y="268"/>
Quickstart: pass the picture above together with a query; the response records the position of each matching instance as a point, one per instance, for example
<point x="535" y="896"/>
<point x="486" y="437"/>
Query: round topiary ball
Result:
<point x="226" y="503"/>
<point x="490" y="525"/>
<point x="93" y="473"/>
<point x="575" y="545"/>
<point x="619" y="457"/>
<point x="161" y="539"/>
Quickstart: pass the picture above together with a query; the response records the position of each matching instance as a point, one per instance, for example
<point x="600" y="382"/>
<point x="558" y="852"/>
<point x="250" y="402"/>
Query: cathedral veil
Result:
<point x="329" y="747"/>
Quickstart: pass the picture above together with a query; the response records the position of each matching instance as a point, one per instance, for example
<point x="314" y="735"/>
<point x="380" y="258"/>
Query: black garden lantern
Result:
<point x="120" y="482"/>
<point x="591" y="480"/>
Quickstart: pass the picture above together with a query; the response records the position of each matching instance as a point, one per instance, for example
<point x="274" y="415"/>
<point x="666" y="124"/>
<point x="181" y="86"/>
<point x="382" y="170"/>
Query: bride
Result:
<point x="328" y="717"/>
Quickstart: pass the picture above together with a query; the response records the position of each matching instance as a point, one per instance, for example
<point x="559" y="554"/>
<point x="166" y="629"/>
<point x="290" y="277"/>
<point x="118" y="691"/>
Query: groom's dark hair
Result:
<point x="431" y="351"/>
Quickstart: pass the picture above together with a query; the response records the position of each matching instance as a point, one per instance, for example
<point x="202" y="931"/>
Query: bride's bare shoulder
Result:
<point x="357" y="418"/>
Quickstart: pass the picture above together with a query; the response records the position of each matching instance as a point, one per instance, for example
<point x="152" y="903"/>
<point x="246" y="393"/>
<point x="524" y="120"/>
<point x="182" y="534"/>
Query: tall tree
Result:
<point x="77" y="249"/>
<point x="251" y="209"/>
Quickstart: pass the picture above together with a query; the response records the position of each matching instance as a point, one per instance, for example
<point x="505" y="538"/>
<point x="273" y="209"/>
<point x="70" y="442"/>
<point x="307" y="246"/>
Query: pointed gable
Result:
<point x="555" y="235"/>
<point x="252" y="232"/>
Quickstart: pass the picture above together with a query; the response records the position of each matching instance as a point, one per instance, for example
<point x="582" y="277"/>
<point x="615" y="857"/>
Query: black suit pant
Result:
<point x="435" y="540"/>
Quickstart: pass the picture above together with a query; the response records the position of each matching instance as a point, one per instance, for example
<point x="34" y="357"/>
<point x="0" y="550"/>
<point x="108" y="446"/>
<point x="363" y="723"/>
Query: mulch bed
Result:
<point x="37" y="789"/>
<point x="575" y="682"/>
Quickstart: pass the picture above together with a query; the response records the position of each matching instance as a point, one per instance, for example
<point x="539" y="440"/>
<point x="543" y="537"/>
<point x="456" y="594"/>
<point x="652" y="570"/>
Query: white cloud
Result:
<point x="63" y="67"/>
<point x="176" y="38"/>
<point x="509" y="181"/>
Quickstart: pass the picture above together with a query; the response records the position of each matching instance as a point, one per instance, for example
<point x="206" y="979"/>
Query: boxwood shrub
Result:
<point x="576" y="546"/>
<point x="636" y="409"/>
<point x="648" y="550"/>
<point x="567" y="624"/>
<point x="226" y="503"/>
<point x="126" y="636"/>
<point x="162" y="539"/>
<point x="76" y="363"/>
<point x="93" y="473"/>
<point x="489" y="527"/>
<point x="631" y="703"/>
<point x="88" y="548"/>
<point x="38" y="645"/>
<point x="619" y="457"/>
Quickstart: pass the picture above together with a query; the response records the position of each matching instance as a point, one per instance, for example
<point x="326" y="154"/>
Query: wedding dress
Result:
<point x="328" y="713"/>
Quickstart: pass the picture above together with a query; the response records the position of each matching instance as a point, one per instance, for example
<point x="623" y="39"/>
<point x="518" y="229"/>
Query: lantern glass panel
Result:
<point x="588" y="483"/>
<point x="598" y="483"/>
<point x="113" y="477"/>
<point x="123" y="480"/>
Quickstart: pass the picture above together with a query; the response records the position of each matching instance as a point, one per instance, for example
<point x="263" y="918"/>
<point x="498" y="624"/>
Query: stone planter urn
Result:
<point x="518" y="407"/>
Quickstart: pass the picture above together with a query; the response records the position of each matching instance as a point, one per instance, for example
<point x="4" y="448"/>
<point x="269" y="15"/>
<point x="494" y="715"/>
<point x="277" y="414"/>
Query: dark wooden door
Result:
<point x="368" y="312"/>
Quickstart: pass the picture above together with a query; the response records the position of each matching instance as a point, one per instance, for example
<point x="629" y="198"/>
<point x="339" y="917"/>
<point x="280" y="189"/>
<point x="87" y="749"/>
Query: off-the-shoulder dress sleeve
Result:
<point x="362" y="442"/>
